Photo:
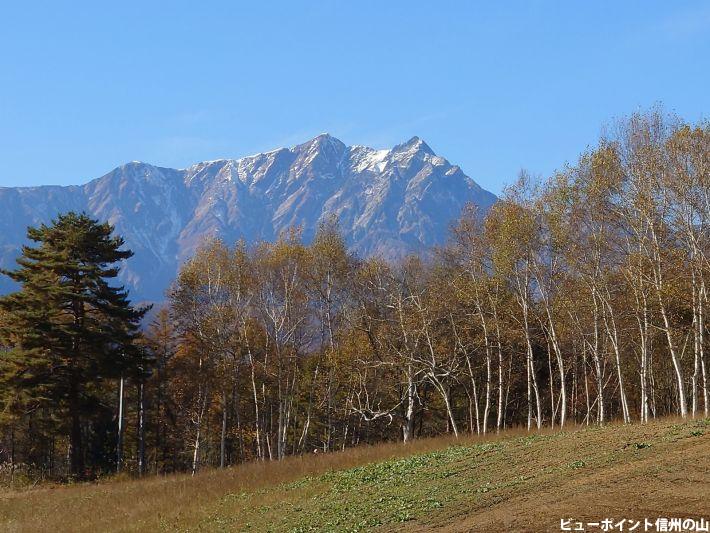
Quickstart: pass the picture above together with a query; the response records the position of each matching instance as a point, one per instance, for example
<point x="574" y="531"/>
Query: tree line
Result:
<point x="578" y="299"/>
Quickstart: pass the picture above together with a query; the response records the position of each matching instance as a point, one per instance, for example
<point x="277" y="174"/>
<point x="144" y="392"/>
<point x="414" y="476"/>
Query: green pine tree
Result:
<point x="68" y="330"/>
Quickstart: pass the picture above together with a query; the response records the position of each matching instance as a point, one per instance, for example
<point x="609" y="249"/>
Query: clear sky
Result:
<point x="491" y="86"/>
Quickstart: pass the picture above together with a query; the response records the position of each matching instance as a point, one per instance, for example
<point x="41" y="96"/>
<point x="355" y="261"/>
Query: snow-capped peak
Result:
<point x="389" y="202"/>
<point x="414" y="145"/>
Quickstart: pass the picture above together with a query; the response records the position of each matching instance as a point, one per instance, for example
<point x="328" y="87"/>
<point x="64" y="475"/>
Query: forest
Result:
<point x="577" y="299"/>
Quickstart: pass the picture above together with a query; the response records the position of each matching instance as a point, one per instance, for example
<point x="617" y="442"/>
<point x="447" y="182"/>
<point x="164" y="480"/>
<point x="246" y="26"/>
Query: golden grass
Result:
<point x="120" y="504"/>
<point x="181" y="501"/>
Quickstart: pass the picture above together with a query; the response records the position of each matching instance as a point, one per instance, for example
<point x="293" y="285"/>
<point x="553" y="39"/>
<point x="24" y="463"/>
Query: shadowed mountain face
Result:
<point x="389" y="203"/>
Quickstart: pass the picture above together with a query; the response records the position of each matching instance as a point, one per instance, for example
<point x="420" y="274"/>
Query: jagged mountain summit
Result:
<point x="388" y="203"/>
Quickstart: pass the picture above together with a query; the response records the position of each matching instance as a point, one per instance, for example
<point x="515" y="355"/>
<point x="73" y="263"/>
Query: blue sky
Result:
<point x="493" y="87"/>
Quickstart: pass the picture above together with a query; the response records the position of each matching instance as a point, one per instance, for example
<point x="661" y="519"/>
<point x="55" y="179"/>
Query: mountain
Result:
<point x="388" y="202"/>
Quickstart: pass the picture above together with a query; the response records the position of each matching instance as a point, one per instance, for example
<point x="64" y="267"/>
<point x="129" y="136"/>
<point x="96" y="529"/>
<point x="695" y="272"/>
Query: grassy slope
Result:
<point x="520" y="483"/>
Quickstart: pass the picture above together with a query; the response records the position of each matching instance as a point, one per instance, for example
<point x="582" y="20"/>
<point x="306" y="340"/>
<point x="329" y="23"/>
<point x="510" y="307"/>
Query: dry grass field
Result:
<point x="512" y="482"/>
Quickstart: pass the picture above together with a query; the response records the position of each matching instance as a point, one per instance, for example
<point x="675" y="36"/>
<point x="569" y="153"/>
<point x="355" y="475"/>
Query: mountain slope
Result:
<point x="389" y="203"/>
